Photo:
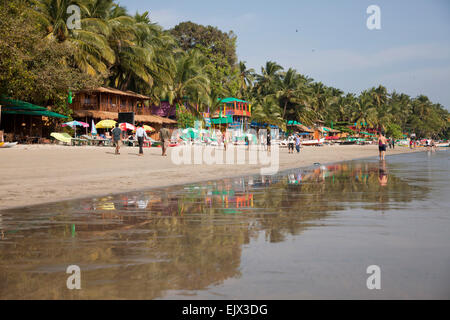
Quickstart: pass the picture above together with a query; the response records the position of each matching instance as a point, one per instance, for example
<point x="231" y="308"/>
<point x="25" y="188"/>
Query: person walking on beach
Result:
<point x="164" y="134"/>
<point x="291" y="140"/>
<point x="382" y="144"/>
<point x="297" y="143"/>
<point x="116" y="137"/>
<point x="140" y="134"/>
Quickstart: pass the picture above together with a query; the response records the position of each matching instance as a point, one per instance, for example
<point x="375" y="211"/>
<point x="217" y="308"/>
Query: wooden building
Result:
<point x="233" y="113"/>
<point x="106" y="103"/>
<point x="24" y="122"/>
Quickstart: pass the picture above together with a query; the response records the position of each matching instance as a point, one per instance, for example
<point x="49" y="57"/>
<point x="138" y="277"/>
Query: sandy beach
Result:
<point x="36" y="174"/>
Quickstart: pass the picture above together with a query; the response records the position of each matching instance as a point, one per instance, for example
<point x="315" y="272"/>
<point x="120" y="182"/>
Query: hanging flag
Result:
<point x="69" y="98"/>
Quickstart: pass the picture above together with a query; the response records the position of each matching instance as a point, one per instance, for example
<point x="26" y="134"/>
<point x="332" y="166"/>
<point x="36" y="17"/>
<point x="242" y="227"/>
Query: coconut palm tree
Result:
<point x="267" y="110"/>
<point x="364" y="112"/>
<point x="246" y="76"/>
<point x="268" y="78"/>
<point x="92" y="51"/>
<point x="189" y="81"/>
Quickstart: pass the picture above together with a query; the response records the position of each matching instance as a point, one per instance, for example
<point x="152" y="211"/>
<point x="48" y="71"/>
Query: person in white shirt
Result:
<point x="140" y="134"/>
<point x="291" y="141"/>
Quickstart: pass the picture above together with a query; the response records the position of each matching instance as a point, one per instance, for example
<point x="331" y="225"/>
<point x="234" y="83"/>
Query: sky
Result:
<point x="329" y="41"/>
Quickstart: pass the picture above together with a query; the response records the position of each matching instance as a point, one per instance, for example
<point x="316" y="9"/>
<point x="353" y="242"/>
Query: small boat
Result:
<point x="315" y="142"/>
<point x="444" y="144"/>
<point x="7" y="144"/>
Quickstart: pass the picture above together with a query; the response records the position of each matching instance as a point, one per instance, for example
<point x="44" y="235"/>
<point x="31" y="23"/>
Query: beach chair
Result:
<point x="62" y="137"/>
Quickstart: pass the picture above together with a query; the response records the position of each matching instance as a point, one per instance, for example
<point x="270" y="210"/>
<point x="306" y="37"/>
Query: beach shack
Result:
<point x="324" y="132"/>
<point x="24" y="122"/>
<point x="106" y="103"/>
<point x="299" y="128"/>
<point x="232" y="114"/>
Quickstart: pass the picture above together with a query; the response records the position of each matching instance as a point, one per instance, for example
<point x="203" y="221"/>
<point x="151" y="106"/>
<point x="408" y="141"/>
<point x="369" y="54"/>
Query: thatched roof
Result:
<point x="302" y="128"/>
<point x="154" y="119"/>
<point x="104" y="115"/>
<point x="116" y="92"/>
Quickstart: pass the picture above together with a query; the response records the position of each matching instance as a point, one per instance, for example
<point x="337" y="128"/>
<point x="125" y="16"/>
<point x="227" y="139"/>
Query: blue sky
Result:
<point x="410" y="54"/>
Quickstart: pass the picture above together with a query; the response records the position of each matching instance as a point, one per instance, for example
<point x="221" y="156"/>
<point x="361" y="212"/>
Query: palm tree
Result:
<point x="267" y="110"/>
<point x="92" y="51"/>
<point x="291" y="89"/>
<point x="364" y="112"/>
<point x="268" y="78"/>
<point x="188" y="80"/>
<point x="246" y="76"/>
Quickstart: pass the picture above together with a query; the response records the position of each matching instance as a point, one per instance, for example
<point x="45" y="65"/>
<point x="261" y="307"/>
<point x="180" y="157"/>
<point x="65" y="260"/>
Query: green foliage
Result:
<point x="41" y="59"/>
<point x="394" y="130"/>
<point x="33" y="68"/>
<point x="218" y="45"/>
<point x="185" y="118"/>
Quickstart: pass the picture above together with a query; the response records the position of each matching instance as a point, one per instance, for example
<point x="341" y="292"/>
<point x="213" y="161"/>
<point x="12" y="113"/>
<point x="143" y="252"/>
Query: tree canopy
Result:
<point x="42" y="58"/>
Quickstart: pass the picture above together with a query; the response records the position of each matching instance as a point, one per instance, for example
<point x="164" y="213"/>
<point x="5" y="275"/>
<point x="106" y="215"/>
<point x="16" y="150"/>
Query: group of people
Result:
<point x="141" y="134"/>
<point x="430" y="144"/>
<point x="294" y="139"/>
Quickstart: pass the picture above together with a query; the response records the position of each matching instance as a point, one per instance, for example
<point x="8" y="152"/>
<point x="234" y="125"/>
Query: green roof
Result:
<point x="230" y="100"/>
<point x="44" y="113"/>
<point x="17" y="104"/>
<point x="12" y="106"/>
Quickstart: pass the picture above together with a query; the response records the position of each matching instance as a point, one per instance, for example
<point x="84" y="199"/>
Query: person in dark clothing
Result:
<point x="116" y="137"/>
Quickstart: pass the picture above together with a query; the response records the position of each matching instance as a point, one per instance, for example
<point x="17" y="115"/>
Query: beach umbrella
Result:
<point x="93" y="129"/>
<point x="106" y="124"/>
<point x="74" y="124"/>
<point x="127" y="126"/>
<point x="148" y="128"/>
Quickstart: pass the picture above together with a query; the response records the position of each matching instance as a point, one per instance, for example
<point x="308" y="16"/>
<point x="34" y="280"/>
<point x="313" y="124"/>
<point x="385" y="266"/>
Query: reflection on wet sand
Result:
<point x="140" y="245"/>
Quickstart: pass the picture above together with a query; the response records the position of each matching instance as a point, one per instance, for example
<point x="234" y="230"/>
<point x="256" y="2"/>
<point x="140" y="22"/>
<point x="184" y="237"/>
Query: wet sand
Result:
<point x="307" y="233"/>
<point x="37" y="174"/>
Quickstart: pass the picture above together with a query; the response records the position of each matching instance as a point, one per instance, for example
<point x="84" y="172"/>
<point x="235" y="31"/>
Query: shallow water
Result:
<point x="306" y="233"/>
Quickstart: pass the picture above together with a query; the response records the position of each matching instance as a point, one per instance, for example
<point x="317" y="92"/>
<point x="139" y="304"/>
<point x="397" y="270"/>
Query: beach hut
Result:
<point x="107" y="103"/>
<point x="25" y="122"/>
<point x="233" y="113"/>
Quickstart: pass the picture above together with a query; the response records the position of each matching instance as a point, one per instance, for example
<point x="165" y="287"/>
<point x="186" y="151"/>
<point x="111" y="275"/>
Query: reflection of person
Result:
<point x="140" y="134"/>
<point x="428" y="144"/>
<point x="382" y="144"/>
<point x="382" y="174"/>
<point x="117" y="134"/>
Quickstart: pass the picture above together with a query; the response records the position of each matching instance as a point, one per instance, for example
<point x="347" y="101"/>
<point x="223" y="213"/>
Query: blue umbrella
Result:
<point x="74" y="124"/>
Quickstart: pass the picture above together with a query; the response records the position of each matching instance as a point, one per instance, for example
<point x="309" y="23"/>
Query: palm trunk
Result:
<point x="284" y="110"/>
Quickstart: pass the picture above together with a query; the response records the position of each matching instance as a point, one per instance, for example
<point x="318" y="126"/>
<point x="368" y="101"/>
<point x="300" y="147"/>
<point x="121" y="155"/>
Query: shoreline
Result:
<point x="50" y="173"/>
